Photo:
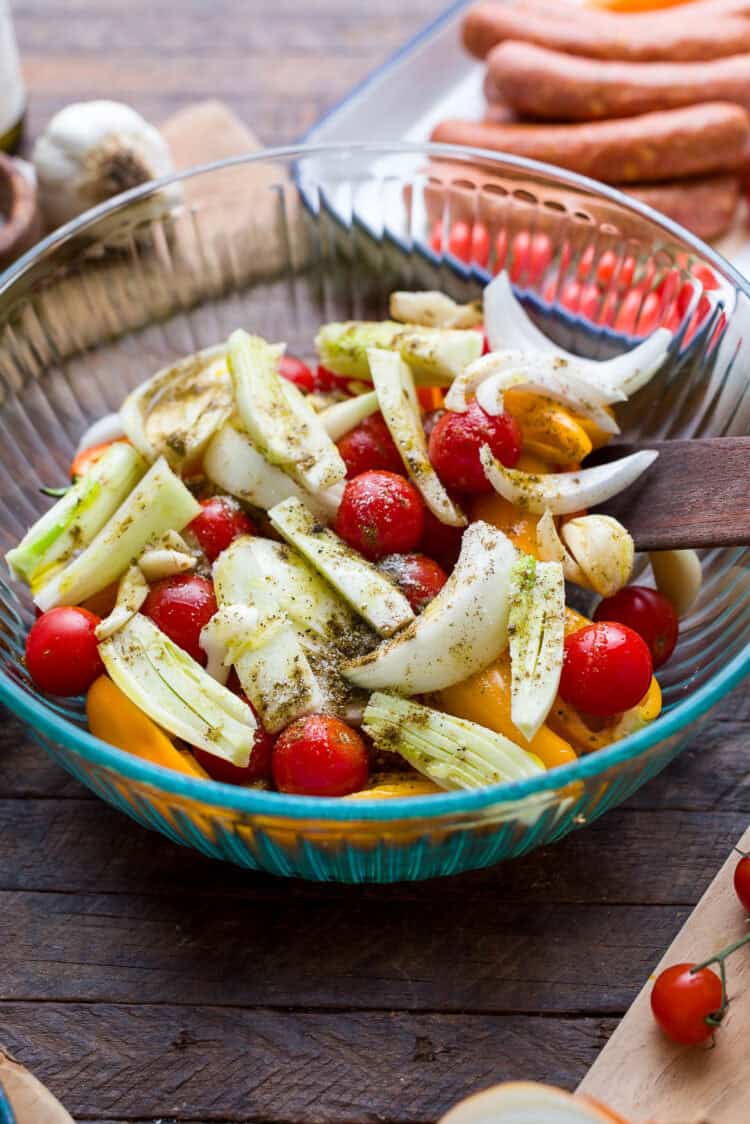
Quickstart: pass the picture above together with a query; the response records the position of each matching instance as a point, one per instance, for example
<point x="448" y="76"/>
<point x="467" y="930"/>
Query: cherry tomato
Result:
<point x="297" y="372"/>
<point x="441" y="541"/>
<point x="370" y="445"/>
<point x="320" y="756"/>
<point x="258" y="767"/>
<point x="649" y="315"/>
<point x="418" y="577"/>
<point x="459" y="241"/>
<point x="607" y="669"/>
<point x="705" y="275"/>
<point x="501" y="250"/>
<point x="480" y="244"/>
<point x="456" y="440"/>
<point x="62" y="654"/>
<point x="647" y="612"/>
<point x="380" y="513"/>
<point x="627" y="313"/>
<point x="605" y="268"/>
<point x="742" y="881"/>
<point x="626" y="275"/>
<point x="87" y="458"/>
<point x="180" y="607"/>
<point x="436" y="238"/>
<point x="219" y="524"/>
<point x="682" y="1000"/>
<point x="326" y="381"/>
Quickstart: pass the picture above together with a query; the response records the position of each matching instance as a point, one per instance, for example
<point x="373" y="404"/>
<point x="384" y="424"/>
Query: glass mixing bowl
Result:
<point x="278" y="243"/>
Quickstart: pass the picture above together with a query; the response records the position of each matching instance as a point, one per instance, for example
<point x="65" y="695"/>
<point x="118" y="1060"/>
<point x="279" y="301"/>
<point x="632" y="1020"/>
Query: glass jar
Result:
<point x="12" y="90"/>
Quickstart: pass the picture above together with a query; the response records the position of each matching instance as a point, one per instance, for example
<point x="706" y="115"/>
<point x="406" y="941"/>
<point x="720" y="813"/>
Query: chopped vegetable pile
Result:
<point x="331" y="581"/>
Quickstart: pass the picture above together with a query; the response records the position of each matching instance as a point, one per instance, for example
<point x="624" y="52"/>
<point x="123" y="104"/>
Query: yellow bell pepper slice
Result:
<point x="118" y="721"/>
<point x="598" y="437"/>
<point x="390" y="786"/>
<point x="549" y="430"/>
<point x="485" y="698"/>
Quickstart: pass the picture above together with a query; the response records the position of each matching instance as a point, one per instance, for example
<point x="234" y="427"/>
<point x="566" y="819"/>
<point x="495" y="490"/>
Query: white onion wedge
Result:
<point x="564" y="492"/>
<point x="559" y="379"/>
<point x="508" y="326"/>
<point x="525" y="1102"/>
<point x="108" y="428"/>
<point x="132" y="591"/>
<point x="461" y="631"/>
<point x="397" y="396"/>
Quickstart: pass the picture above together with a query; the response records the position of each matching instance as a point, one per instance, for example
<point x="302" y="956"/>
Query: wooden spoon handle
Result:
<point x="643" y="1075"/>
<point x="696" y="494"/>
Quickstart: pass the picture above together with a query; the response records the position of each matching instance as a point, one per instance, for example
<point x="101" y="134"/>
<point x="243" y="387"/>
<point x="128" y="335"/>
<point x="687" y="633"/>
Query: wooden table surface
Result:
<point x="143" y="982"/>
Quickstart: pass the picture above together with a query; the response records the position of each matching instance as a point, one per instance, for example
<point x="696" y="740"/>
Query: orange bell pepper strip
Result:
<point x="518" y="525"/>
<point x="118" y="721"/>
<point x="485" y="698"/>
<point x="391" y="786"/>
<point x="597" y="436"/>
<point x="430" y="398"/>
<point x="87" y="458"/>
<point x="549" y="430"/>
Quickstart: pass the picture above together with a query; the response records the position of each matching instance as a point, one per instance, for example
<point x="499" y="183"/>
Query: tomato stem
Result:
<point x="715" y="1018"/>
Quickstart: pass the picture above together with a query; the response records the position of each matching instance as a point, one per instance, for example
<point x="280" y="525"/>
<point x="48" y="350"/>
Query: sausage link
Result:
<point x="706" y="206"/>
<point x="613" y="37"/>
<point x="554" y="86"/>
<point x="651" y="147"/>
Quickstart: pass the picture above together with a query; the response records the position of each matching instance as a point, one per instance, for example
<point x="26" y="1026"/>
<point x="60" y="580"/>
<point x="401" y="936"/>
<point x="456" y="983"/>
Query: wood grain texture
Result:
<point x="693" y="495"/>
<point x="642" y="1073"/>
<point x="144" y="982"/>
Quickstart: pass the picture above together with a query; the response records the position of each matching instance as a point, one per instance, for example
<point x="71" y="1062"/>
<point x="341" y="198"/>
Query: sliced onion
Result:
<point x="108" y="428"/>
<point x="559" y="379"/>
<point x="508" y="326"/>
<point x="564" y="492"/>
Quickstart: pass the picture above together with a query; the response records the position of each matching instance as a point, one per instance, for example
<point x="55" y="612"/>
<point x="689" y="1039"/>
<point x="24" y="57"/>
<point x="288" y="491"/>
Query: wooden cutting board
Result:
<point x="646" y="1078"/>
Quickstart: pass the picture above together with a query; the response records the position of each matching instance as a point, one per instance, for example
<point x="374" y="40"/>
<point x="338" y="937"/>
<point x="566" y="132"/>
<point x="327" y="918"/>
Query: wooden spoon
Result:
<point x="695" y="494"/>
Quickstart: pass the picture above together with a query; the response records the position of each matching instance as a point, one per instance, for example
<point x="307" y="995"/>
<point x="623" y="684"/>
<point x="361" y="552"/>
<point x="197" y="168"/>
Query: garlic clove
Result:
<point x="678" y="575"/>
<point x="603" y="550"/>
<point x="92" y="151"/>
<point x="551" y="548"/>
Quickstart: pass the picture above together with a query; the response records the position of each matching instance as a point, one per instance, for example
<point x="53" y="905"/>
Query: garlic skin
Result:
<point x="91" y="151"/>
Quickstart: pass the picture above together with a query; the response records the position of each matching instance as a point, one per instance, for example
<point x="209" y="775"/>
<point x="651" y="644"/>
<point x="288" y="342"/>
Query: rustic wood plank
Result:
<point x="67" y="846"/>
<point x="208" y="1063"/>
<point x="503" y="956"/>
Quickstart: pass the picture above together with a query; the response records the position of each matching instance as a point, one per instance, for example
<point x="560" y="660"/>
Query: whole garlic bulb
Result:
<point x="91" y="151"/>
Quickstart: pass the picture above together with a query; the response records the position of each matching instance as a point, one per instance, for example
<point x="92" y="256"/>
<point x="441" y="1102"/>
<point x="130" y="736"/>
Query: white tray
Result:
<point x="432" y="78"/>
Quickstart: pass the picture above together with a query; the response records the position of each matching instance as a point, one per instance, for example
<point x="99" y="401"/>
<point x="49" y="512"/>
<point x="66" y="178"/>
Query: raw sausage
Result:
<point x="613" y="37"/>
<point x="551" y="85"/>
<point x="705" y="206"/>
<point x="653" y="146"/>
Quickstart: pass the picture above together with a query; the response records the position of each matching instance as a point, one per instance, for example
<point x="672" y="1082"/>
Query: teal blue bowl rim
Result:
<point x="258" y="802"/>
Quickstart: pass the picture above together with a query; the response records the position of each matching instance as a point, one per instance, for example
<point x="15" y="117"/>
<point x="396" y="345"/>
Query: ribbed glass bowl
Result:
<point x="278" y="243"/>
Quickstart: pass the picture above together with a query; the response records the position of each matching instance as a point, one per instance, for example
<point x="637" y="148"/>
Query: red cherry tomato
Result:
<point x="607" y="669"/>
<point x="649" y="315"/>
<point x="297" y="372"/>
<point x="605" y="268"/>
<point x="627" y="313"/>
<point x="705" y="275"/>
<point x="456" y="440"/>
<point x="219" y="524"/>
<point x="320" y="756"/>
<point x="418" y="577"/>
<point x="742" y="881"/>
<point x="436" y="238"/>
<point x="585" y="262"/>
<point x="258" y="767"/>
<point x="62" y="655"/>
<point x="326" y="381"/>
<point x="682" y="1000"/>
<point x="380" y="513"/>
<point x="647" y="612"/>
<point x="480" y="244"/>
<point x="370" y="445"/>
<point x="626" y="275"/>
<point x="501" y="250"/>
<point x="180" y="607"/>
<point x="520" y="251"/>
<point x="459" y="241"/>
<point x="441" y="541"/>
<point x="87" y="458"/>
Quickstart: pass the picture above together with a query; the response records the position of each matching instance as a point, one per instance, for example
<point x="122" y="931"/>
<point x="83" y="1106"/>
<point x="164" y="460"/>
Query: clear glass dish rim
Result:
<point x="454" y="804"/>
